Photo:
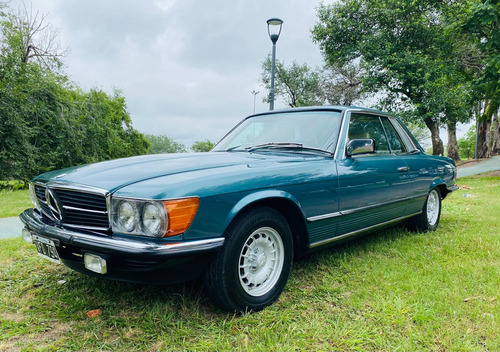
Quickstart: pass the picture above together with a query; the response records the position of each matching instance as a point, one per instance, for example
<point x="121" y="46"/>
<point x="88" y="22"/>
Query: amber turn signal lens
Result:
<point x="180" y="214"/>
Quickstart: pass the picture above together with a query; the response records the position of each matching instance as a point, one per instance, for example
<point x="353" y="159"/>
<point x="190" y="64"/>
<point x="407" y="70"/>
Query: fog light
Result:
<point x="95" y="263"/>
<point x="27" y="235"/>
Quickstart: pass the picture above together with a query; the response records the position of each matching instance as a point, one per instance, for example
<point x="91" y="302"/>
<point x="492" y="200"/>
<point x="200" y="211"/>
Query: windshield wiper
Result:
<point x="230" y="149"/>
<point x="273" y="146"/>
<point x="284" y="145"/>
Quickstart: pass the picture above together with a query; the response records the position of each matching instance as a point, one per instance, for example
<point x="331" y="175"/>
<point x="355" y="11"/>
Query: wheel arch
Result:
<point x="441" y="185"/>
<point x="287" y="206"/>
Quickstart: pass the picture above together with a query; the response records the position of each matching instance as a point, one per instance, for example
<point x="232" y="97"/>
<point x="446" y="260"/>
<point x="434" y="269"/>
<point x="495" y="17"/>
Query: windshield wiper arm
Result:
<point x="274" y="145"/>
<point x="230" y="149"/>
<point x="297" y="146"/>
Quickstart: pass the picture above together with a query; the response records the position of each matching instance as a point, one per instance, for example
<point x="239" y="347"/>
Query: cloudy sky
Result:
<point x="186" y="67"/>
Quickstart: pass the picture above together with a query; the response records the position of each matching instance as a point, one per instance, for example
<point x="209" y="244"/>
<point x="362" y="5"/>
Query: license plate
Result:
<point x="46" y="249"/>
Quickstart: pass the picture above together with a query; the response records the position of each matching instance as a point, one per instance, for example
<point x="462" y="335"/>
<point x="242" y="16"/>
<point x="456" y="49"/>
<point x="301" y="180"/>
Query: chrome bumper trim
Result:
<point x="33" y="224"/>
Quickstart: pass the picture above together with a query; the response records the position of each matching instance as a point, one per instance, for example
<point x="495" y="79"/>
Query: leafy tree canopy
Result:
<point x="164" y="144"/>
<point x="483" y="26"/>
<point x="47" y="122"/>
<point x="297" y="84"/>
<point x="408" y="50"/>
<point x="202" y="146"/>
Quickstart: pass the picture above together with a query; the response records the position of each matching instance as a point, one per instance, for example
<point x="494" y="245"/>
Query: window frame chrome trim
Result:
<point x="365" y="112"/>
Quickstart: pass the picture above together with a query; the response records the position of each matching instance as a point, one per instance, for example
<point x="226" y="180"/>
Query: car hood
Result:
<point x="116" y="174"/>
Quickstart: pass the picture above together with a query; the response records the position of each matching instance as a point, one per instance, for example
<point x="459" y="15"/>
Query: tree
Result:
<point x="495" y="148"/>
<point x="202" y="146"/>
<point x="298" y="85"/>
<point x="47" y="122"/>
<point x="164" y="144"/>
<point x="30" y="38"/>
<point x="342" y="85"/>
<point x="483" y="28"/>
<point x="406" y="50"/>
<point x="467" y="144"/>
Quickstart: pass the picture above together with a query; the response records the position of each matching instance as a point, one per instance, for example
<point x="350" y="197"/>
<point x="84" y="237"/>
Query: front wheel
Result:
<point x="252" y="268"/>
<point x="428" y="220"/>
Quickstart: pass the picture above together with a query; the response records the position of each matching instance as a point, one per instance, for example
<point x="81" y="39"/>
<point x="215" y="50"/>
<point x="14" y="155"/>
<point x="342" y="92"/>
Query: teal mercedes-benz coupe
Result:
<point x="277" y="186"/>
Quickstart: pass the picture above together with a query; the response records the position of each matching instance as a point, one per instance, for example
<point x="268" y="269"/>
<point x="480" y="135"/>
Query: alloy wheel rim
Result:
<point x="432" y="208"/>
<point x="261" y="261"/>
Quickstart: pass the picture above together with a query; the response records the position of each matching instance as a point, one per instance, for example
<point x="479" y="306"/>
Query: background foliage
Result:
<point x="164" y="144"/>
<point x="46" y="121"/>
<point x="434" y="63"/>
<point x="202" y="146"/>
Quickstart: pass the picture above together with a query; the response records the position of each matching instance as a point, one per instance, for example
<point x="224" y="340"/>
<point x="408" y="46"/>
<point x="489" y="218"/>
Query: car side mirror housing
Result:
<point x="360" y="146"/>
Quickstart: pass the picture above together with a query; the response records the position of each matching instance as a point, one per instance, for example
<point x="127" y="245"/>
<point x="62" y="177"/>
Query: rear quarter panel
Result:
<point x="426" y="173"/>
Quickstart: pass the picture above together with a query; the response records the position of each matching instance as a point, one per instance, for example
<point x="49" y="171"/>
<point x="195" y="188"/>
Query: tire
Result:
<point x="428" y="220"/>
<point x="251" y="270"/>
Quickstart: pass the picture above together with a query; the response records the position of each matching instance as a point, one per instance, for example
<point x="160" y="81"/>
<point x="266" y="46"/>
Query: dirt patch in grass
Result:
<point x="15" y="317"/>
<point x="38" y="340"/>
<point x="492" y="174"/>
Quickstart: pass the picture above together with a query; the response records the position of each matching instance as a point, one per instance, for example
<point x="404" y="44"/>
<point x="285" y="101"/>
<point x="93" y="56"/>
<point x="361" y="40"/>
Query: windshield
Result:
<point x="311" y="129"/>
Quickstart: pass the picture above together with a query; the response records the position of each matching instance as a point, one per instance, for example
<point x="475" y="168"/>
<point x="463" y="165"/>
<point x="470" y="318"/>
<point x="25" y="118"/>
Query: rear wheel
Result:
<point x="428" y="220"/>
<point x="252" y="268"/>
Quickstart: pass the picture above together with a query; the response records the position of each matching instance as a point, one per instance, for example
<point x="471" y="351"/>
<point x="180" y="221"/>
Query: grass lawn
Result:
<point x="392" y="290"/>
<point x="13" y="203"/>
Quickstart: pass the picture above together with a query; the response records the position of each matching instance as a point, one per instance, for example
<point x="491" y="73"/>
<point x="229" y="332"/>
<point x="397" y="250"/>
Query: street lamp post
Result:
<point x="254" y="92"/>
<point x="274" y="30"/>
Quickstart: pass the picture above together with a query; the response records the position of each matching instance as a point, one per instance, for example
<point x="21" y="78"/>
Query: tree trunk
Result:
<point x="495" y="149"/>
<point x="437" y="143"/>
<point x="484" y="139"/>
<point x="452" y="141"/>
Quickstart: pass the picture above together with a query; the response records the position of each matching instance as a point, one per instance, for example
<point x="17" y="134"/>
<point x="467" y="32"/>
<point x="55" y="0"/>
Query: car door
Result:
<point x="373" y="188"/>
<point x="421" y="173"/>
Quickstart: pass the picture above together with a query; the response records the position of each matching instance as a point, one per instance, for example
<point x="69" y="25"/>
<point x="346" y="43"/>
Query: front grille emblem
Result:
<point x="54" y="205"/>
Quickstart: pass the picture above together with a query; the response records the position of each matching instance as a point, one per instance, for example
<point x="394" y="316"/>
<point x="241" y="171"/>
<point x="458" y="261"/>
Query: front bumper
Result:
<point x="141" y="260"/>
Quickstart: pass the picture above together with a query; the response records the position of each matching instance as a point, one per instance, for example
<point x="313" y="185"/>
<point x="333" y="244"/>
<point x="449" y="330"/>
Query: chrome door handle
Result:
<point x="403" y="169"/>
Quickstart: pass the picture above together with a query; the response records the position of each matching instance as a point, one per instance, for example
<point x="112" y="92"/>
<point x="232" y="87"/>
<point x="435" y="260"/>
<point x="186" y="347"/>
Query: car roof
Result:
<point x="338" y="108"/>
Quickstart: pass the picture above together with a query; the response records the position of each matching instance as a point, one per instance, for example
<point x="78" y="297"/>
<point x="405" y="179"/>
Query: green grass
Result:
<point x="392" y="290"/>
<point x="13" y="203"/>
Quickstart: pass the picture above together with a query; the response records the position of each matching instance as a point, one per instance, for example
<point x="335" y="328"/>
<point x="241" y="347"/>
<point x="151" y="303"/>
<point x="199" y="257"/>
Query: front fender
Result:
<point x="436" y="183"/>
<point x="257" y="197"/>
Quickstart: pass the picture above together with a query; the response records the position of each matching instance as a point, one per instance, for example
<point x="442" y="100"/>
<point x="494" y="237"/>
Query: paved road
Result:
<point x="492" y="164"/>
<point x="11" y="227"/>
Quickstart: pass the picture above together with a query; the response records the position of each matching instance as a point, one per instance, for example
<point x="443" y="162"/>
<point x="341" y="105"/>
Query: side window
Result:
<point x="395" y="142"/>
<point x="407" y="141"/>
<point x="369" y="126"/>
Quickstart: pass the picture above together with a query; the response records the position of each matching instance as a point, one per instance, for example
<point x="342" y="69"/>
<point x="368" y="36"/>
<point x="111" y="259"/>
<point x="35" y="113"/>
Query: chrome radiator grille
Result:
<point x="73" y="208"/>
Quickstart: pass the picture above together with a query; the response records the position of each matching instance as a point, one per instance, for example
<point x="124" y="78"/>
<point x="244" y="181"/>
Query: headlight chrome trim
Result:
<point x="167" y="212"/>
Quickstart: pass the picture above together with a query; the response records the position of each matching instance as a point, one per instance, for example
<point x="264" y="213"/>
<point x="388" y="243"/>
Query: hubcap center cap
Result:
<point x="258" y="260"/>
<point x="261" y="260"/>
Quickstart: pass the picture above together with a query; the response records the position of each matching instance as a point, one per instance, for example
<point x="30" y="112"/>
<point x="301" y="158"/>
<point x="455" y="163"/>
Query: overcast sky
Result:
<point x="186" y="67"/>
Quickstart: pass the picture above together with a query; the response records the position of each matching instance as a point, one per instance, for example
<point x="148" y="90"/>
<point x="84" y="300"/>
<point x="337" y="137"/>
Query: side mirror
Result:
<point x="360" y="146"/>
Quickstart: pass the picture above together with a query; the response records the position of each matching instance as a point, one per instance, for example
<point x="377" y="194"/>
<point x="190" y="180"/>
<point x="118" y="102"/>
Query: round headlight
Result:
<point x="126" y="216"/>
<point x="153" y="219"/>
